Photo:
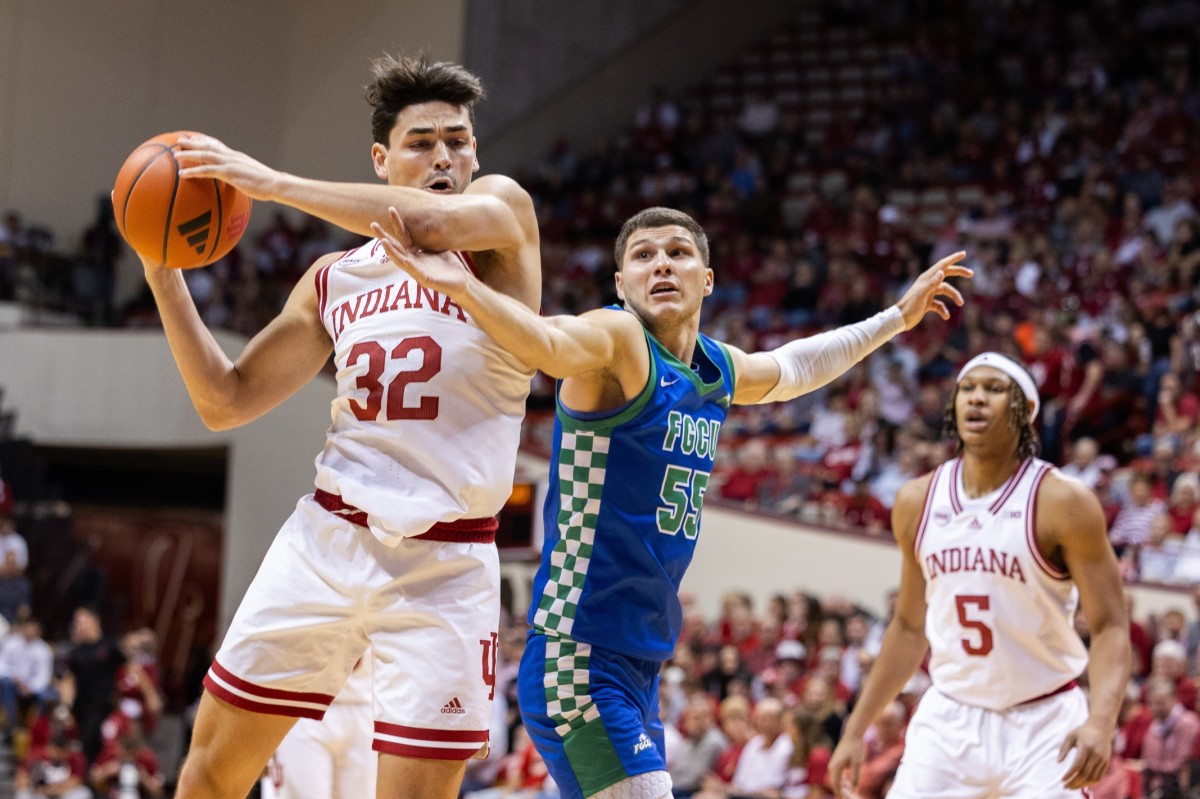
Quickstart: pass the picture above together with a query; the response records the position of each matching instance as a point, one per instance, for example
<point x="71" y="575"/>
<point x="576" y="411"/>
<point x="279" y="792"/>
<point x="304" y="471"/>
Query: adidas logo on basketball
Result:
<point x="453" y="706"/>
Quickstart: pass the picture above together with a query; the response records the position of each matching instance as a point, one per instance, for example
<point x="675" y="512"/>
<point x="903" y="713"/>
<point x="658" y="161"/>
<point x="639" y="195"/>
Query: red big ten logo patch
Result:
<point x="942" y="516"/>
<point x="489" y="664"/>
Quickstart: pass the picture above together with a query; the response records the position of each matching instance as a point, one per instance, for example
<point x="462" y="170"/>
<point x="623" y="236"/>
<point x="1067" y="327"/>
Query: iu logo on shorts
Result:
<point x="489" y="664"/>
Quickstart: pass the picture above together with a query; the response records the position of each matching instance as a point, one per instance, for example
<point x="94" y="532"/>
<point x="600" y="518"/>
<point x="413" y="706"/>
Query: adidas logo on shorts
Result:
<point x="453" y="706"/>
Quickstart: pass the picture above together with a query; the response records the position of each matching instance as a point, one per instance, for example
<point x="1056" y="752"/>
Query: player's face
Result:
<point x="981" y="405"/>
<point x="663" y="276"/>
<point x="431" y="147"/>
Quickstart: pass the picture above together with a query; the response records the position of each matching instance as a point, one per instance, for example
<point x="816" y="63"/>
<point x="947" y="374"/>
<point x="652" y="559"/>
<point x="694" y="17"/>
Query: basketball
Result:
<point x="176" y="222"/>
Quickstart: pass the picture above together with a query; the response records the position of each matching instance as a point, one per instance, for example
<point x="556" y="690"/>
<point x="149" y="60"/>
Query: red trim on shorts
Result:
<point x="431" y="734"/>
<point x="281" y="708"/>
<point x="292" y="711"/>
<point x="923" y="522"/>
<point x="1031" y="529"/>
<point x="1062" y="689"/>
<point x="1011" y="486"/>
<point x="268" y="693"/>
<point x="423" y="752"/>
<point x="460" y="531"/>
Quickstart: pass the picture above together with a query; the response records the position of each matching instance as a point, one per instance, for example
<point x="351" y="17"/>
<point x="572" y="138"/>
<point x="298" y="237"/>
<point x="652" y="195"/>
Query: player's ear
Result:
<point x="620" y="288"/>
<point x="475" y="159"/>
<point x="379" y="160"/>
<point x="708" y="282"/>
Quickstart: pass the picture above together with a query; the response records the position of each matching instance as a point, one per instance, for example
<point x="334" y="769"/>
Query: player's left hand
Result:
<point x="924" y="294"/>
<point x="1092" y="743"/>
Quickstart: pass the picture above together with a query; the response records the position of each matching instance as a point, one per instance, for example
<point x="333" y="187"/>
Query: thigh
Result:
<point x="419" y="778"/>
<point x="229" y="749"/>
<point x="299" y="628"/>
<point x="433" y="630"/>
<point x="587" y="716"/>
<point x="946" y="752"/>
<point x="1033" y="737"/>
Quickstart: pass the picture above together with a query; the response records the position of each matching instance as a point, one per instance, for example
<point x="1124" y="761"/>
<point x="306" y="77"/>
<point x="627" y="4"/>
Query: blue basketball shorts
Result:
<point x="591" y="713"/>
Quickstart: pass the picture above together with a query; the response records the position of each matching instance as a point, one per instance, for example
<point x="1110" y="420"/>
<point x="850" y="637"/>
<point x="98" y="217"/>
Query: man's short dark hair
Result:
<point x="400" y="81"/>
<point x="659" y="217"/>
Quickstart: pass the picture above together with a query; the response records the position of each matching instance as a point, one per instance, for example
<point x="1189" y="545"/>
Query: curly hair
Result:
<point x="1028" y="443"/>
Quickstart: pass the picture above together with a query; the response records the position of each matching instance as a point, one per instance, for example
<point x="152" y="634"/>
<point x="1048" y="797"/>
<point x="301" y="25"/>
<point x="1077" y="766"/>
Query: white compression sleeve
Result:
<point x="809" y="363"/>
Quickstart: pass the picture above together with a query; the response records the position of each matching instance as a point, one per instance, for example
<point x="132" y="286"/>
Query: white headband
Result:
<point x="1010" y="368"/>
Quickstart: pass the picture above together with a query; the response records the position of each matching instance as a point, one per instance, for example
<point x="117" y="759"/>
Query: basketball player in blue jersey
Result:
<point x="998" y="549"/>
<point x="640" y="405"/>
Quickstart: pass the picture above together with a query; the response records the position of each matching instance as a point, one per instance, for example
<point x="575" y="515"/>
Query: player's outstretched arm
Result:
<point x="903" y="646"/>
<point x="1071" y="522"/>
<point x="560" y="346"/>
<point x="807" y="364"/>
<point x="285" y="355"/>
<point x="493" y="213"/>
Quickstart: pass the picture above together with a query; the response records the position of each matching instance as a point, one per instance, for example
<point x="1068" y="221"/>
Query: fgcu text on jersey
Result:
<point x="428" y="411"/>
<point x="623" y="509"/>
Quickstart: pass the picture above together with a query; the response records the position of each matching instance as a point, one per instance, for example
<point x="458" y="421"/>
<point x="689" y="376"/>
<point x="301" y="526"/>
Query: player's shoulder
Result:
<point x="913" y="492"/>
<point x="1062" y="489"/>
<point x="501" y="186"/>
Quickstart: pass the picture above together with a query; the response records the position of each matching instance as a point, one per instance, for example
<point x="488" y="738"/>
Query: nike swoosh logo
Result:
<point x="664" y="382"/>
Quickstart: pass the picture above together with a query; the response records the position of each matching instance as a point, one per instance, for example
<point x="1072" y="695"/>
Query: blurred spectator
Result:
<point x="1171" y="739"/>
<point x="1086" y="463"/>
<point x="808" y="765"/>
<point x="733" y="714"/>
<point x="16" y="591"/>
<point x="883" y="753"/>
<point x="55" y="771"/>
<point x="127" y="768"/>
<point x="26" y="671"/>
<point x="764" y="760"/>
<point x="1132" y="525"/>
<point x="700" y="747"/>
<point x="1158" y="557"/>
<point x="1168" y="664"/>
<point x="138" y="680"/>
<point x="93" y="661"/>
<point x="10" y="539"/>
<point x="729" y="676"/>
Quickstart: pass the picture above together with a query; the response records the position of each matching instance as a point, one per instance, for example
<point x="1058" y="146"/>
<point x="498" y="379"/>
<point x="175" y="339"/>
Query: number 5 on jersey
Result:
<point x="683" y="492"/>
<point x="982" y="602"/>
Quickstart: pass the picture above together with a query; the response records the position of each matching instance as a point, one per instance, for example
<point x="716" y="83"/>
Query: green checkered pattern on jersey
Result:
<point x="582" y="460"/>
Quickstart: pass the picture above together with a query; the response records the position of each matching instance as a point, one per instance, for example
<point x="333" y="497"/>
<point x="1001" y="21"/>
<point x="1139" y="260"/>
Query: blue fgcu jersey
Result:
<point x="623" y="508"/>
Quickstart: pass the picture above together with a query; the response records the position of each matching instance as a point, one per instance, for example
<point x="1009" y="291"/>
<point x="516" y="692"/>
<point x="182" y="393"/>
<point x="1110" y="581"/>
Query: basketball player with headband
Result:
<point x="999" y="549"/>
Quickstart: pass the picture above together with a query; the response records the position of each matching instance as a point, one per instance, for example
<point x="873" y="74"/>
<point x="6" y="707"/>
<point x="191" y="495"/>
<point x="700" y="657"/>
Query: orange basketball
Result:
<point x="177" y="222"/>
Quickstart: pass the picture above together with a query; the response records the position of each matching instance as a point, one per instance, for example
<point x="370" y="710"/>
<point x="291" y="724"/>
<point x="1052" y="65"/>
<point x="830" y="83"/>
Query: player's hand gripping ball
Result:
<point x="171" y="221"/>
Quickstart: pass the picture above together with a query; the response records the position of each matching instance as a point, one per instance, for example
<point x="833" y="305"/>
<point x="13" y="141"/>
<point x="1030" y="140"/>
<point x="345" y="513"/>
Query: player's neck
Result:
<point x="984" y="473"/>
<point x="677" y="339"/>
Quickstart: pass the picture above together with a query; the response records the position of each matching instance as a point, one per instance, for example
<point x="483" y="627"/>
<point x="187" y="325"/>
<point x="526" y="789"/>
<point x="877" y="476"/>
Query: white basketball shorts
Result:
<point x="958" y="751"/>
<point x="328" y="590"/>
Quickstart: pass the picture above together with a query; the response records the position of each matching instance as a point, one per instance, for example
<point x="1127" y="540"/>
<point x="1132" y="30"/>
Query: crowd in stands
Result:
<point x="1057" y="143"/>
<point x="753" y="702"/>
<point x="76" y="712"/>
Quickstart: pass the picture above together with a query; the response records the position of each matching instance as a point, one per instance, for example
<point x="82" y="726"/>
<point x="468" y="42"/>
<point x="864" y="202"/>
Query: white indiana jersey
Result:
<point x="428" y="411"/>
<point x="1000" y="618"/>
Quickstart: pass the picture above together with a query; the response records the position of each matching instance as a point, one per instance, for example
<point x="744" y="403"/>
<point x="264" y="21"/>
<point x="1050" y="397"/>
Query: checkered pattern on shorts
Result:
<point x="567" y="683"/>
<point x="582" y="461"/>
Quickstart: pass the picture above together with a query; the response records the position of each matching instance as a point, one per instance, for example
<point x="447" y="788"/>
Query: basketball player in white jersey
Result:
<point x="393" y="556"/>
<point x="998" y="550"/>
<point x="331" y="757"/>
